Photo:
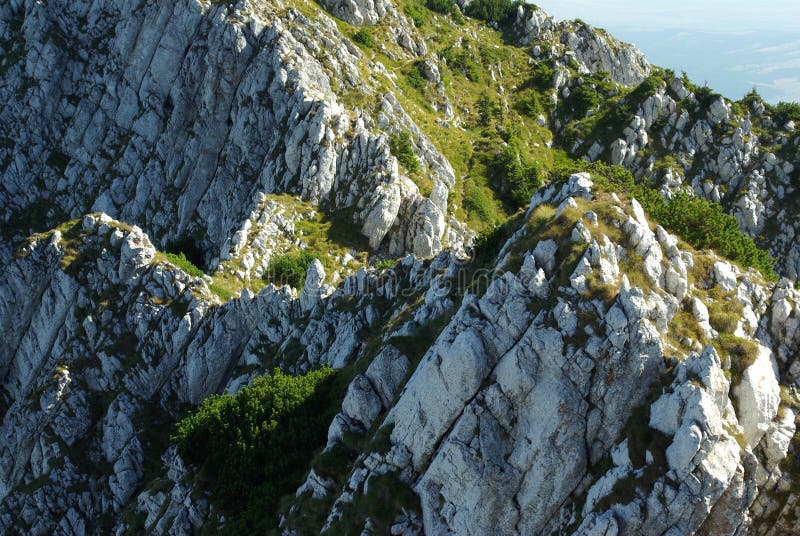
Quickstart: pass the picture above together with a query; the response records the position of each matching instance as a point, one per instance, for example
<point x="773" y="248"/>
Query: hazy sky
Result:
<point x="707" y="15"/>
<point x="732" y="45"/>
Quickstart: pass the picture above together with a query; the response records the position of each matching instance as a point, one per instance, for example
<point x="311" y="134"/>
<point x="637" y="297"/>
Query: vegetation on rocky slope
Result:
<point x="493" y="111"/>
<point x="253" y="447"/>
<point x="699" y="222"/>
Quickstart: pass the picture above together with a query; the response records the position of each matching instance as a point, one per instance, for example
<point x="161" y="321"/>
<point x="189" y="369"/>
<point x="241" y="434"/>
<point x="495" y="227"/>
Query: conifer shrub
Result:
<point x="488" y="110"/>
<point x="463" y="61"/>
<point x="417" y="14"/>
<point x="520" y="177"/>
<point x="582" y="99"/>
<point x="254" y="446"/>
<point x="492" y="10"/>
<point x="783" y="112"/>
<point x="364" y="37"/>
<point x="415" y="78"/>
<point x="446" y="7"/>
<point x="403" y="149"/>
<point x="290" y="269"/>
<point x="441" y="6"/>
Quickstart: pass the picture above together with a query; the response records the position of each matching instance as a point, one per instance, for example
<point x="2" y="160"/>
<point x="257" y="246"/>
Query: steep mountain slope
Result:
<point x="567" y="398"/>
<point x="583" y="371"/>
<point x="679" y="136"/>
<point x="190" y="111"/>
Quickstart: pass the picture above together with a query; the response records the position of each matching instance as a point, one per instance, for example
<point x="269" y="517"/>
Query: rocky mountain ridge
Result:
<point x="586" y="371"/>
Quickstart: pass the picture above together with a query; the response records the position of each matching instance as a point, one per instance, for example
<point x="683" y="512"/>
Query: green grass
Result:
<point x="180" y="260"/>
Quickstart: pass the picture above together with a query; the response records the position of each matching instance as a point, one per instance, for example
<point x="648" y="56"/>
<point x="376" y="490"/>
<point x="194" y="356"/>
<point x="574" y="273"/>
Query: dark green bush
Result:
<point x="488" y="110"/>
<point x="446" y="7"/>
<point x="290" y="269"/>
<point x="533" y="107"/>
<point x="518" y="178"/>
<point x="415" y="79"/>
<point x="254" y="447"/>
<point x="364" y="37"/>
<point x="745" y="106"/>
<point x="582" y="99"/>
<point x="542" y="76"/>
<point x="463" y="61"/>
<point x="472" y="71"/>
<point x="441" y="6"/>
<point x="705" y="96"/>
<point x="492" y="10"/>
<point x="403" y="149"/>
<point x="783" y="112"/>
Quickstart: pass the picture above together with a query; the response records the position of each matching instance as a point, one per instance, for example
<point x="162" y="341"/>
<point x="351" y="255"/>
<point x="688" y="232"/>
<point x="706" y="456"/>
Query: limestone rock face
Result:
<point x="314" y="287"/>
<point x="596" y="376"/>
<point x="158" y="340"/>
<point x="758" y="396"/>
<point x="359" y="13"/>
<point x="594" y="51"/>
<point x="688" y="144"/>
<point x="521" y="394"/>
<point x="191" y="102"/>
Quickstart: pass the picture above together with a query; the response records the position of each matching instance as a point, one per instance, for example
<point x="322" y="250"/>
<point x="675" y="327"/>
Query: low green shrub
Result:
<point x="415" y="78"/>
<point x="403" y="149"/>
<point x="254" y="447"/>
<point x="463" y="61"/>
<point x="417" y="14"/>
<point x="290" y="269"/>
<point x="582" y="99"/>
<point x="519" y="177"/>
<point x="441" y="6"/>
<point x="542" y="75"/>
<point x="700" y="222"/>
<point x="447" y="7"/>
<point x="492" y="10"/>
<point x="488" y="110"/>
<point x="783" y="112"/>
<point x="364" y="37"/>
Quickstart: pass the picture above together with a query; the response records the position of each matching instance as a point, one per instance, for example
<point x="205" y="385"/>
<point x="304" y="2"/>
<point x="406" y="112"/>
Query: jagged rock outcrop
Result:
<point x="593" y="50"/>
<point x="505" y="423"/>
<point x="105" y="342"/>
<point x="180" y="131"/>
<point x="686" y="142"/>
<point x="594" y="376"/>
